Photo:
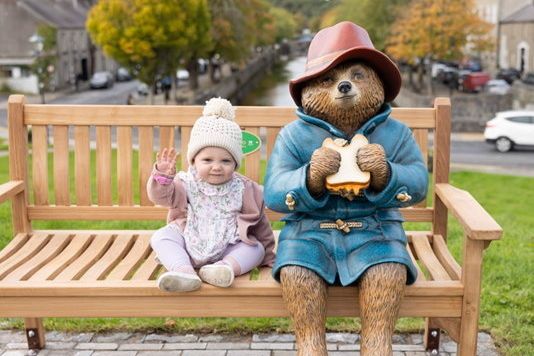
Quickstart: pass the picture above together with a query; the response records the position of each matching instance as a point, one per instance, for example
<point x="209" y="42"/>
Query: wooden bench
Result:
<point x="97" y="273"/>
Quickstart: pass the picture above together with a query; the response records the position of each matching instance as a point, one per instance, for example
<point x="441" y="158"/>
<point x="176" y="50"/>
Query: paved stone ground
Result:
<point x="13" y="343"/>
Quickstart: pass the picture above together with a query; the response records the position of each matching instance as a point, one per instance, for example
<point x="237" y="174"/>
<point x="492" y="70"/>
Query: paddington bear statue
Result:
<point x="343" y="238"/>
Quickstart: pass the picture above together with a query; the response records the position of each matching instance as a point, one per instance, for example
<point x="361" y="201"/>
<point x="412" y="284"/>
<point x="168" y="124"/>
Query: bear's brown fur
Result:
<point x="346" y="96"/>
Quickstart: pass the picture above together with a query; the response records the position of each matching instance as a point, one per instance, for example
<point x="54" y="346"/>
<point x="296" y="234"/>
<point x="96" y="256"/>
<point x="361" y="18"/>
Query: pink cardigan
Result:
<point x="252" y="222"/>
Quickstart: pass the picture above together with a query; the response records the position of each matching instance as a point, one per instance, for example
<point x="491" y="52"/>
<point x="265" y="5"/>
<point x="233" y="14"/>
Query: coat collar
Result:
<point x="365" y="130"/>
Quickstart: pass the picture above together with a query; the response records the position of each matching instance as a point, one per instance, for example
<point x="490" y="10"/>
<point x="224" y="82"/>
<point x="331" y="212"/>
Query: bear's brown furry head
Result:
<point x="346" y="96"/>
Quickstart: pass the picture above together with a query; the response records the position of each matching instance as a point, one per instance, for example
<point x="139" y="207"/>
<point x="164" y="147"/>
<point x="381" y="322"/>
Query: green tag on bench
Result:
<point x="250" y="143"/>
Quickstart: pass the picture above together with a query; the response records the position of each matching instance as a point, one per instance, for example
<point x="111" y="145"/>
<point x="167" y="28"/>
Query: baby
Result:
<point x="216" y="220"/>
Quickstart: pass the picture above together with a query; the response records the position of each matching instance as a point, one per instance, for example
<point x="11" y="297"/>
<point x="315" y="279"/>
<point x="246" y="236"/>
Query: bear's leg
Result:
<point x="304" y="293"/>
<point x="381" y="289"/>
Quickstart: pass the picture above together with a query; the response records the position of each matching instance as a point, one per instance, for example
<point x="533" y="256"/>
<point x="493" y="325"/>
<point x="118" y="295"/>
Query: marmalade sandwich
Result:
<point x="349" y="180"/>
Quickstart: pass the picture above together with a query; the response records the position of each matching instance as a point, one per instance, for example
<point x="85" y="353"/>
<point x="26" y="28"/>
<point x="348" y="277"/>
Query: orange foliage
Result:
<point x="439" y="29"/>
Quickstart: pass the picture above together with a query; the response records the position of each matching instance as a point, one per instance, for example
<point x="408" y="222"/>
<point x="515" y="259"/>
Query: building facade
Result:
<point x="77" y="57"/>
<point x="516" y="49"/>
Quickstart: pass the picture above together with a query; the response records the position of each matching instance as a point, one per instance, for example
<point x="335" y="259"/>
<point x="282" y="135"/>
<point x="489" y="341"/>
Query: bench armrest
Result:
<point x="477" y="223"/>
<point x="10" y="189"/>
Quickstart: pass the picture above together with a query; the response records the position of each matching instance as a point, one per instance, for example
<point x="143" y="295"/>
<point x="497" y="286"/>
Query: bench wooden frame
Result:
<point x="96" y="273"/>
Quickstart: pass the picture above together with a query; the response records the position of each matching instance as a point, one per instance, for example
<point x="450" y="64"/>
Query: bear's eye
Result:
<point x="327" y="80"/>
<point x="358" y="75"/>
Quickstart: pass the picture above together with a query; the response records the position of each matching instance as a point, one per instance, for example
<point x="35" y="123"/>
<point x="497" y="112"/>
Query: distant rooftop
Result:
<point x="525" y="14"/>
<point x="59" y="13"/>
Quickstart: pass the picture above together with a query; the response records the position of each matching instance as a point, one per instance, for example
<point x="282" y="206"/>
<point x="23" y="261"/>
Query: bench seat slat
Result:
<point x="241" y="288"/>
<point x="76" y="247"/>
<point x="420" y="274"/>
<point x="93" y="252"/>
<point x="118" y="249"/>
<point x="24" y="253"/>
<point x="56" y="244"/>
<point x="139" y="252"/>
<point x="148" y="269"/>
<point x="14" y="245"/>
<point x="444" y="256"/>
<point x="429" y="259"/>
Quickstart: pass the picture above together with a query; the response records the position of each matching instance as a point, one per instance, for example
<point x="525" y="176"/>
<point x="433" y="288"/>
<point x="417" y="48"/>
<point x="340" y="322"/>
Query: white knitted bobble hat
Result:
<point x="217" y="128"/>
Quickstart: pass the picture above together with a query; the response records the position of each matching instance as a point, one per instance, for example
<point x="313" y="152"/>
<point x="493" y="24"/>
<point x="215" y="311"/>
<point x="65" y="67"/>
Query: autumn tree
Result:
<point x="430" y="30"/>
<point x="46" y="60"/>
<point x="284" y="23"/>
<point x="376" y="16"/>
<point x="198" y="35"/>
<point x="150" y="37"/>
<point x="259" y="23"/>
<point x="229" y="34"/>
<point x="306" y="12"/>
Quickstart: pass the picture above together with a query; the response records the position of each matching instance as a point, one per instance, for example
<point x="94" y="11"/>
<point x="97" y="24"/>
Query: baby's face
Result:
<point x="214" y="165"/>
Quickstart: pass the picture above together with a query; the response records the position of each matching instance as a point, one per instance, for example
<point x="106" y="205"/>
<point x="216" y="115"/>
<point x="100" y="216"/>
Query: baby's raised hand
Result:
<point x="166" y="161"/>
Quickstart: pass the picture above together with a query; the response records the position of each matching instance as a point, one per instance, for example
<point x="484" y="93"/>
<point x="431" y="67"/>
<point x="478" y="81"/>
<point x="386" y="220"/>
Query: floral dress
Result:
<point x="211" y="216"/>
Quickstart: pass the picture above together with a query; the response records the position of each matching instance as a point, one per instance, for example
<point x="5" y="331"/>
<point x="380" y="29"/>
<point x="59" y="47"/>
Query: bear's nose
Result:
<point x="344" y="87"/>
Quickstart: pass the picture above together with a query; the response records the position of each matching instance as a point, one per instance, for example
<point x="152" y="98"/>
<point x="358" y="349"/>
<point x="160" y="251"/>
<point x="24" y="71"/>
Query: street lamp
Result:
<point x="38" y="43"/>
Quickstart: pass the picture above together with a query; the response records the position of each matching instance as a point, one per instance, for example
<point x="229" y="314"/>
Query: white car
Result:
<point x="509" y="129"/>
<point x="498" y="86"/>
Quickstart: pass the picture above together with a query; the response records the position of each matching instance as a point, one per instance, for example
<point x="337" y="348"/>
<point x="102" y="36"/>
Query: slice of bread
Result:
<point x="349" y="179"/>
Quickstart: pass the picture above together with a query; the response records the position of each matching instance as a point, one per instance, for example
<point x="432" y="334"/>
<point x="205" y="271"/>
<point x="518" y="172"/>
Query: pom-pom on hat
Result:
<point x="216" y="128"/>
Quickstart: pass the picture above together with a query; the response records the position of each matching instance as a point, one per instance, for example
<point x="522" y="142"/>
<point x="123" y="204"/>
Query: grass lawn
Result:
<point x="3" y="145"/>
<point x="507" y="295"/>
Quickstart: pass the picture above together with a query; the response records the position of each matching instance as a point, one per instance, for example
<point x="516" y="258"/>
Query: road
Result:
<point x="480" y="156"/>
<point x="115" y="95"/>
<point x="468" y="151"/>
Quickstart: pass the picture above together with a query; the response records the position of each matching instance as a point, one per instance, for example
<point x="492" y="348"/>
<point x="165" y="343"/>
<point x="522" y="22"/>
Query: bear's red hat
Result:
<point x="342" y="42"/>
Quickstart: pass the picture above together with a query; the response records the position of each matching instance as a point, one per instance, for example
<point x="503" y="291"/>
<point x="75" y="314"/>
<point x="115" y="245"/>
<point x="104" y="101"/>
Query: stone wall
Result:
<point x="523" y="96"/>
<point x="237" y="86"/>
<point x="470" y="112"/>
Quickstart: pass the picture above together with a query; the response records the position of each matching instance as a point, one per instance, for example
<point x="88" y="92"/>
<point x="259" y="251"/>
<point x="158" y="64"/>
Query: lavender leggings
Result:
<point x="169" y="245"/>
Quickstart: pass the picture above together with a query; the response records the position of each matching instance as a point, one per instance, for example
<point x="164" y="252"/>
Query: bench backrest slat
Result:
<point x="109" y="187"/>
<point x="103" y="164"/>
<point x="82" y="165"/>
<point x="146" y="157"/>
<point x="61" y="164"/>
<point x="124" y="165"/>
<point x="40" y="164"/>
<point x="421" y="137"/>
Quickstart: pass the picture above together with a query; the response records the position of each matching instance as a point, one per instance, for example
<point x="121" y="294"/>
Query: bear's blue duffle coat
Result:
<point x="333" y="254"/>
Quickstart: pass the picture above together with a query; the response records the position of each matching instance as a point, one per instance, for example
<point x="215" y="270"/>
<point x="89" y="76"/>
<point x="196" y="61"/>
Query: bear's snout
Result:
<point x="344" y="87"/>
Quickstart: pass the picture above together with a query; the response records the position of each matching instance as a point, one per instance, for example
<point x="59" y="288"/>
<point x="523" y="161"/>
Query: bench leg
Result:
<point x="471" y="278"/>
<point x="431" y="338"/>
<point x="35" y="333"/>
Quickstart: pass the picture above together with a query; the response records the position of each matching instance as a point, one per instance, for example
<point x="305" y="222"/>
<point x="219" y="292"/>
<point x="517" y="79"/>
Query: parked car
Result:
<point x="472" y="65"/>
<point x="528" y="78"/>
<point x="498" y="86"/>
<point x="473" y="82"/>
<point x="142" y="89"/>
<point x="437" y="68"/>
<point x="510" y="129"/>
<point x="448" y="75"/>
<point x="509" y="74"/>
<point x="123" y="75"/>
<point x="182" y="74"/>
<point x="101" y="80"/>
